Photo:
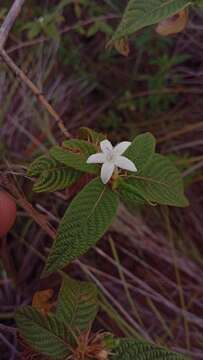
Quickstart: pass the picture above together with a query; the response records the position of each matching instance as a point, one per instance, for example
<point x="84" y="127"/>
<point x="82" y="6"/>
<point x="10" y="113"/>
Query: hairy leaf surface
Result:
<point x="129" y="195"/>
<point x="77" y="304"/>
<point x="159" y="182"/>
<point x="45" y="334"/>
<point x="85" y="221"/>
<point x="131" y="349"/>
<point x="74" y="153"/>
<point x="52" y="175"/>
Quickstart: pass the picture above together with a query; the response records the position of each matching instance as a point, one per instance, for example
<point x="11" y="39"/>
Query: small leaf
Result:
<point x="131" y="349"/>
<point x="38" y="165"/>
<point x="42" y="301"/>
<point x="77" y="304"/>
<point x="159" y="182"/>
<point x="174" y="24"/>
<point x="52" y="175"/>
<point x="91" y="135"/>
<point x="122" y="46"/>
<point x="141" y="150"/>
<point x="141" y="13"/>
<point x="45" y="334"/>
<point x="85" y="221"/>
<point x="74" y="153"/>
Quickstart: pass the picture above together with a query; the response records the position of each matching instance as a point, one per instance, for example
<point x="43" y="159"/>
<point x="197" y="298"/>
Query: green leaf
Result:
<point x="159" y="182"/>
<point x="91" y="135"/>
<point x="77" y="304"/>
<point x="45" y="334"/>
<point x="141" y="150"/>
<point x="131" y="349"/>
<point x="52" y="175"/>
<point x="129" y="194"/>
<point x="85" y="221"/>
<point x="74" y="153"/>
<point x="141" y="13"/>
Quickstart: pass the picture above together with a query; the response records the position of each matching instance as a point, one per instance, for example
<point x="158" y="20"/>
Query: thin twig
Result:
<point x="4" y="31"/>
<point x="9" y="21"/>
<point x="34" y="89"/>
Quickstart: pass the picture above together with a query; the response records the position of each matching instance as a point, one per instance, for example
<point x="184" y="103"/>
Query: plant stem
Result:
<point x="9" y="21"/>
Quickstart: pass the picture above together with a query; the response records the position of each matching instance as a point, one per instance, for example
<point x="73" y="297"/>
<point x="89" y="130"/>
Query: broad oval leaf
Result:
<point x="45" y="334"/>
<point x="159" y="182"/>
<point x="84" y="222"/>
<point x="74" y="153"/>
<point x="141" y="150"/>
<point x="131" y="349"/>
<point x="77" y="304"/>
<point x="52" y="175"/>
<point x="141" y="13"/>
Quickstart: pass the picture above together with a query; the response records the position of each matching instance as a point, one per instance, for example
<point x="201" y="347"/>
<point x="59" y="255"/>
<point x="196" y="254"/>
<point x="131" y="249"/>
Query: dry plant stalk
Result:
<point x="4" y="32"/>
<point x="9" y="21"/>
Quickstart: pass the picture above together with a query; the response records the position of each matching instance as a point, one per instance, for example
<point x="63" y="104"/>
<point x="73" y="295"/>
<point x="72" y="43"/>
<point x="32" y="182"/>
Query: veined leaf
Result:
<point x="39" y="164"/>
<point x="131" y="349"/>
<point x="52" y="175"/>
<point x="91" y="135"/>
<point x="77" y="304"/>
<point x="159" y="182"/>
<point x="85" y="221"/>
<point x="129" y="194"/>
<point x="45" y="334"/>
<point x="74" y="153"/>
<point x="141" y="13"/>
<point x="141" y="150"/>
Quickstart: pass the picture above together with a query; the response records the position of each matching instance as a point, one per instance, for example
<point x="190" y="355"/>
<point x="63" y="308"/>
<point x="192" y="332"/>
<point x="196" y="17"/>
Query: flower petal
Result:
<point x="106" y="146"/>
<point x="124" y="163"/>
<point x="121" y="147"/>
<point x="106" y="172"/>
<point x="98" y="158"/>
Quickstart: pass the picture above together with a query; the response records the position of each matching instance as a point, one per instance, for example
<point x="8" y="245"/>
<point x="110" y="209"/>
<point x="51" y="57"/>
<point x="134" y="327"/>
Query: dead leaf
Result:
<point x="122" y="46"/>
<point x="41" y="301"/>
<point x="174" y="24"/>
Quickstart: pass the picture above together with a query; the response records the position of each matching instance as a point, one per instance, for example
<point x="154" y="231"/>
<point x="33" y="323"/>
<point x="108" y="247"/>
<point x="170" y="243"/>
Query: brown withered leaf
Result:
<point x="174" y="24"/>
<point x="42" y="301"/>
<point x="122" y="46"/>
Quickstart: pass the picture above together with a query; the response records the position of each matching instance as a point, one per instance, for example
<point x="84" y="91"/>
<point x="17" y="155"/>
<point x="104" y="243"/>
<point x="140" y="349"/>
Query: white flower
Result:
<point x="111" y="158"/>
